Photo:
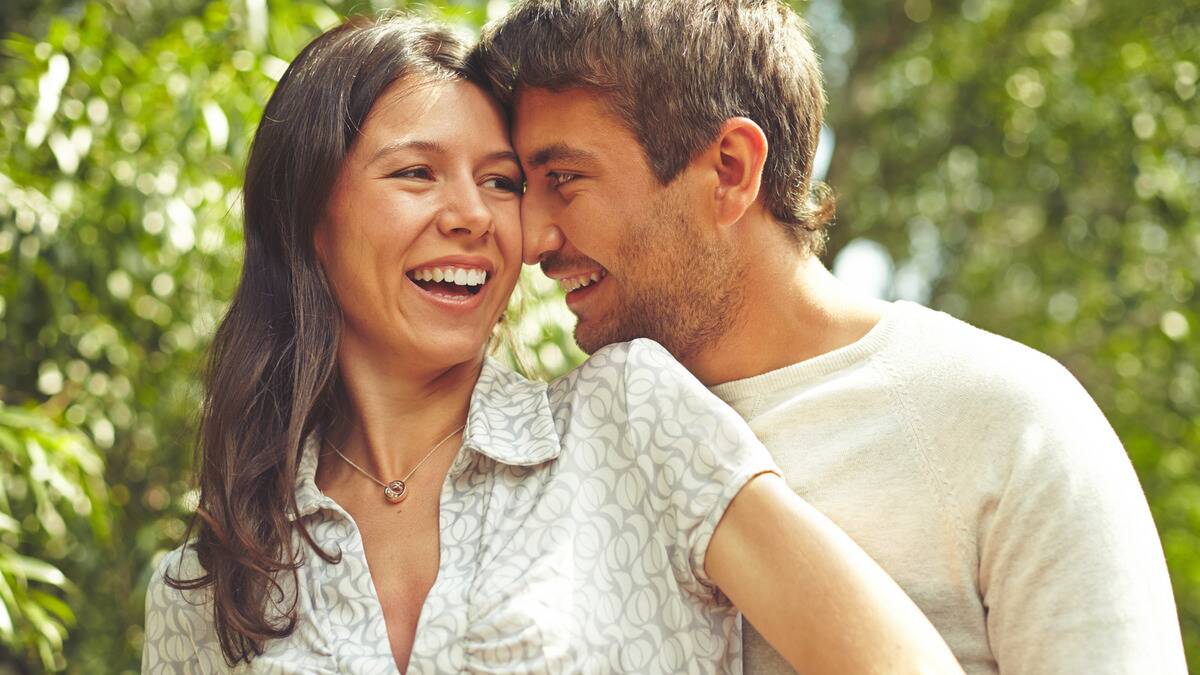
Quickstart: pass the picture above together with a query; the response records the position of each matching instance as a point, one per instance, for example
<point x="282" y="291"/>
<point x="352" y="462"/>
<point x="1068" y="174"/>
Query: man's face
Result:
<point x="633" y="255"/>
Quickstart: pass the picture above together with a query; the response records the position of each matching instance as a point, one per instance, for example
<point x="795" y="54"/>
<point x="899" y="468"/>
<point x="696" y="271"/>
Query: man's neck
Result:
<point x="794" y="310"/>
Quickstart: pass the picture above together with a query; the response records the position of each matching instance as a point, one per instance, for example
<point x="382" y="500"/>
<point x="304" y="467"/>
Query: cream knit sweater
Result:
<point x="983" y="478"/>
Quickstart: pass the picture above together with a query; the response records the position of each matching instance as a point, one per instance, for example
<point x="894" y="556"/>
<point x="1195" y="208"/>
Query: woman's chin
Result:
<point x="448" y="351"/>
<point x="418" y="352"/>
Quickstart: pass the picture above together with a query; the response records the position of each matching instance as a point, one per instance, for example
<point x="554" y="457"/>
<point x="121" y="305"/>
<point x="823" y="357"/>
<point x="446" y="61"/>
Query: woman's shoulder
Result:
<point x="613" y="362"/>
<point x="179" y="565"/>
<point x="639" y="378"/>
<point x="179" y="635"/>
<point x="180" y="562"/>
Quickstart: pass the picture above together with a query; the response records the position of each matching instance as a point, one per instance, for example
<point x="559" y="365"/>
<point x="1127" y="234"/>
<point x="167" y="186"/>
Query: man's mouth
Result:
<point x="449" y="281"/>
<point x="581" y="281"/>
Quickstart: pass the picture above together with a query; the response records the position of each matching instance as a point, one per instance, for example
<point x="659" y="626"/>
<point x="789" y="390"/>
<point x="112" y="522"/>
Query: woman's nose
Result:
<point x="466" y="213"/>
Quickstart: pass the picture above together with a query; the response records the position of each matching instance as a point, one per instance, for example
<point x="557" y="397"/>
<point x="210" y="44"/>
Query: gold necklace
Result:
<point x="395" y="491"/>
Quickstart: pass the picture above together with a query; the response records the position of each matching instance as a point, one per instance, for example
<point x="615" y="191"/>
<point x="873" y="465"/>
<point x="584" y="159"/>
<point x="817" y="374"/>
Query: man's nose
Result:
<point x="542" y="235"/>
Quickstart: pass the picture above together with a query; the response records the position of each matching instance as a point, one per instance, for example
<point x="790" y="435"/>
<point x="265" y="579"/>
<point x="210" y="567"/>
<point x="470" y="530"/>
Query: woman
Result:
<point x="377" y="495"/>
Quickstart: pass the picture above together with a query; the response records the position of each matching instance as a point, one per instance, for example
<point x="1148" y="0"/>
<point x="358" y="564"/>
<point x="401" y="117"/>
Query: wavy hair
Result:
<point x="272" y="377"/>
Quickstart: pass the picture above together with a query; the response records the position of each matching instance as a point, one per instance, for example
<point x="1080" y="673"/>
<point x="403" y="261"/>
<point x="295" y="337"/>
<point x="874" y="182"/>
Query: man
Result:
<point x="668" y="148"/>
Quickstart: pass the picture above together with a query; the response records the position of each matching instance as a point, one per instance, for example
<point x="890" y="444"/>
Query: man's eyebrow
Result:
<point x="559" y="152"/>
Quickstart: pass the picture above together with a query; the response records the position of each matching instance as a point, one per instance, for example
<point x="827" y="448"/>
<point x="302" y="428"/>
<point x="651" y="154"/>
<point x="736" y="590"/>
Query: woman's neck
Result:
<point x="394" y="413"/>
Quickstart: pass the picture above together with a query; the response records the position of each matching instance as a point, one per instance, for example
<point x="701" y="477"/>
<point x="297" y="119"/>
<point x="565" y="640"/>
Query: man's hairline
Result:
<point x="610" y="110"/>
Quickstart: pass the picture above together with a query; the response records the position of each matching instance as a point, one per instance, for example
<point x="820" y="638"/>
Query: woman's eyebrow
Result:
<point x="435" y="148"/>
<point x="431" y="147"/>
<point x="503" y="155"/>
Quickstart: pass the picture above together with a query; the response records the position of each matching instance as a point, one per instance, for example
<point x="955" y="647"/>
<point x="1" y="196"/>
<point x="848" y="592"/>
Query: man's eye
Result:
<point x="418" y="172"/>
<point x="558" y="179"/>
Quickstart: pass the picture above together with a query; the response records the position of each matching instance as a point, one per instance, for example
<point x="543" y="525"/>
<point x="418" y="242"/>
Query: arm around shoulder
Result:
<point x="815" y="595"/>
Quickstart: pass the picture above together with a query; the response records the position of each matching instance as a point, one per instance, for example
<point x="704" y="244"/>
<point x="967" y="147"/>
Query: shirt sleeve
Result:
<point x="1071" y="568"/>
<point x="176" y="622"/>
<point x="696" y="452"/>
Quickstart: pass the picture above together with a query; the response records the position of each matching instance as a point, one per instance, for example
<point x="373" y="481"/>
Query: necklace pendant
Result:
<point x="395" y="491"/>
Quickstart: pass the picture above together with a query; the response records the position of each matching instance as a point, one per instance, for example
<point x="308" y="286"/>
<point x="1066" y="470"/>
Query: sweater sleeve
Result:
<point x="696" y="452"/>
<point x="1071" y="569"/>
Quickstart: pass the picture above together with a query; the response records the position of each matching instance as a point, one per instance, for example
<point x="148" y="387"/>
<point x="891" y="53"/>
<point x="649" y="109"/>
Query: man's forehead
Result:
<point x="570" y="125"/>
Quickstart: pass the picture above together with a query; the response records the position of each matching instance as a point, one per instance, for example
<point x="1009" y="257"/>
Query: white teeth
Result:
<point x="581" y="281"/>
<point x="451" y="275"/>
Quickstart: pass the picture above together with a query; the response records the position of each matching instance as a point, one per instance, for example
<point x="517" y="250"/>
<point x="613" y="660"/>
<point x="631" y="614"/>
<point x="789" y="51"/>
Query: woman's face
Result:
<point x="421" y="239"/>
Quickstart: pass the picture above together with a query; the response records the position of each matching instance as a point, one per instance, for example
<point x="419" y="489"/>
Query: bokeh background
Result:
<point x="1031" y="166"/>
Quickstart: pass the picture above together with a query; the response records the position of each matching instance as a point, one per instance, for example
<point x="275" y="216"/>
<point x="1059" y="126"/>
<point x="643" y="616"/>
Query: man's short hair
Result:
<point x="674" y="71"/>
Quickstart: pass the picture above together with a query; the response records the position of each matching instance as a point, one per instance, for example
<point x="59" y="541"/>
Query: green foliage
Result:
<point x="53" y="503"/>
<point x="1030" y="166"/>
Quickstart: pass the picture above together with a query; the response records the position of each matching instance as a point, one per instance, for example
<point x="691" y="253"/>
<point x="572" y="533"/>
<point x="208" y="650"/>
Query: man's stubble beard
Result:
<point x="687" y="293"/>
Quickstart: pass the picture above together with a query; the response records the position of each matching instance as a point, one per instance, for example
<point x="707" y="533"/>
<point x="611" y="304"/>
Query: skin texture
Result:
<point x="625" y="224"/>
<point x="757" y="303"/>
<point x="739" y="301"/>
<point x="418" y="186"/>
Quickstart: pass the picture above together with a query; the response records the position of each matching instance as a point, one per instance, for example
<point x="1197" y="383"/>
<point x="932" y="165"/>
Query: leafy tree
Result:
<point x="51" y="481"/>
<point x="1025" y="165"/>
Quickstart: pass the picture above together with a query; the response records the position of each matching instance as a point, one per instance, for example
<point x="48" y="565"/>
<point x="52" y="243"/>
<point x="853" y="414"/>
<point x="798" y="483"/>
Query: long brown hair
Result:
<point x="272" y="375"/>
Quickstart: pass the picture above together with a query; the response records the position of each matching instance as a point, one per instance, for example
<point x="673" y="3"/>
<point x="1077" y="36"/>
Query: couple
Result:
<point x="377" y="495"/>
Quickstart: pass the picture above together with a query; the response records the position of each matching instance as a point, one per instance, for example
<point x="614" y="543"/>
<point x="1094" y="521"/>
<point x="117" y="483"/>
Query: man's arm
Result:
<point x="1071" y="568"/>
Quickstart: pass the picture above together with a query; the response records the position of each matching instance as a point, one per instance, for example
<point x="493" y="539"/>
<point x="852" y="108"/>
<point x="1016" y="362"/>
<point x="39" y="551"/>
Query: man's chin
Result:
<point x="594" y="336"/>
<point x="589" y="342"/>
<point x="591" y="337"/>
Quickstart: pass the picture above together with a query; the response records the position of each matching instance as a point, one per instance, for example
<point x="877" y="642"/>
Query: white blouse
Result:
<point x="574" y="525"/>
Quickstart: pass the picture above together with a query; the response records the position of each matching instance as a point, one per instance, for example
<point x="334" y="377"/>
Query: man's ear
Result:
<point x="737" y="155"/>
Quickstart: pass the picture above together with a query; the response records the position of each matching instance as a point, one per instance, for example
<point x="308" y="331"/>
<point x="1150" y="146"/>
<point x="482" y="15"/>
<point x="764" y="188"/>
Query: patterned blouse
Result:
<point x="574" y="525"/>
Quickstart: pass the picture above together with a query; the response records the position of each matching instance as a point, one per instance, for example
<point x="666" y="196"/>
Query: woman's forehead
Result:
<point x="450" y="113"/>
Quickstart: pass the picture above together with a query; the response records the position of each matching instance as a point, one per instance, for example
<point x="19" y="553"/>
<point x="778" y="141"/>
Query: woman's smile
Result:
<point x="454" y="283"/>
<point x="422" y="236"/>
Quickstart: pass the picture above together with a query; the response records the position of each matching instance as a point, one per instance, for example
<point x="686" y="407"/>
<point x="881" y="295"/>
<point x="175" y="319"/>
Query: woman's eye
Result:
<point x="558" y="178"/>
<point x="418" y="172"/>
<point x="506" y="184"/>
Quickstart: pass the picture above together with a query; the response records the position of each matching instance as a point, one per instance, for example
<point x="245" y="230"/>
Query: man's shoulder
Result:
<point x="935" y="350"/>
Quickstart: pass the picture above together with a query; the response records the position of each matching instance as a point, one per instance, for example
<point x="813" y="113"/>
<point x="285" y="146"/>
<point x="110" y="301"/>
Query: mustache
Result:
<point x="557" y="262"/>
